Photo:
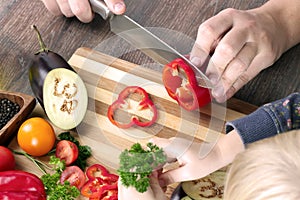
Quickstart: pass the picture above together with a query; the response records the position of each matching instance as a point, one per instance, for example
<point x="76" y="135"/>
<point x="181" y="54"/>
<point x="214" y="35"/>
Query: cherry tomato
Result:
<point x="36" y="136"/>
<point x="74" y="175"/>
<point x="67" y="151"/>
<point x="7" y="159"/>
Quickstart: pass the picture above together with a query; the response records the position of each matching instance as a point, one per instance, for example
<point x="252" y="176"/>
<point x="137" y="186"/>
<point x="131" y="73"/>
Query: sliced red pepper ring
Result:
<point x="99" y="171"/>
<point x="101" y="184"/>
<point x="95" y="188"/>
<point x="111" y="195"/>
<point x="181" y="84"/>
<point x="122" y="104"/>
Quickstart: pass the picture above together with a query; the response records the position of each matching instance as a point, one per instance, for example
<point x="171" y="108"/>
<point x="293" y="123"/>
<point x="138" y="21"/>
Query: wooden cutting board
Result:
<point x="105" y="76"/>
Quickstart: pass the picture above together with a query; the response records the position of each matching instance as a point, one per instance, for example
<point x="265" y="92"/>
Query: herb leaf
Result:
<point x="136" y="164"/>
<point x="54" y="189"/>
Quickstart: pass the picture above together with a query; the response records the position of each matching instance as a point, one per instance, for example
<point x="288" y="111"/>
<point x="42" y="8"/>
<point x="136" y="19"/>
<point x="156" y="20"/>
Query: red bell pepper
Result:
<point x="20" y="185"/>
<point x="181" y="84"/>
<point x="121" y="103"/>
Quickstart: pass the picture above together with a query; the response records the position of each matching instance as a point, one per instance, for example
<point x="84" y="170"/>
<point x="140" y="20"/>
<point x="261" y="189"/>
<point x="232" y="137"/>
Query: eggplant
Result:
<point x="57" y="87"/>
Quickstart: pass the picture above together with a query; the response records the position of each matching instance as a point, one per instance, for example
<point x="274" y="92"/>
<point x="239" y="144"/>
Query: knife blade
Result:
<point x="144" y="40"/>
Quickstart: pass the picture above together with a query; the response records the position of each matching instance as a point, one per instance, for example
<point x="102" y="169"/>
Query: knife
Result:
<point x="144" y="40"/>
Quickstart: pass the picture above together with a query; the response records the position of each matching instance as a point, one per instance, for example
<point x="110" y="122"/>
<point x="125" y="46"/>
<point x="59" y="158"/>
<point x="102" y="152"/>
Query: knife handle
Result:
<point x="99" y="7"/>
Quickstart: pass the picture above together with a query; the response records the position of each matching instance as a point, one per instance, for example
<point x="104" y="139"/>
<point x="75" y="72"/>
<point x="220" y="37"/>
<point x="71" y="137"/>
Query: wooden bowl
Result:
<point x="26" y="103"/>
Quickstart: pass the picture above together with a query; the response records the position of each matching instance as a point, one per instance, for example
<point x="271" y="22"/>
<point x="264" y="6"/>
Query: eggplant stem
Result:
<point x="40" y="39"/>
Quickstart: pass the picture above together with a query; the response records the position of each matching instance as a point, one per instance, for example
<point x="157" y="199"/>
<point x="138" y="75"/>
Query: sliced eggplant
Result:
<point x="48" y="65"/>
<point x="65" y="98"/>
<point x="210" y="187"/>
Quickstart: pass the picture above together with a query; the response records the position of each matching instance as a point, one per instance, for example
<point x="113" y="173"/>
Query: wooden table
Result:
<point x="18" y="42"/>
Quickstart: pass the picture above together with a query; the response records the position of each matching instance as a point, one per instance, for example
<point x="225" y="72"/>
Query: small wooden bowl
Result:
<point x="26" y="103"/>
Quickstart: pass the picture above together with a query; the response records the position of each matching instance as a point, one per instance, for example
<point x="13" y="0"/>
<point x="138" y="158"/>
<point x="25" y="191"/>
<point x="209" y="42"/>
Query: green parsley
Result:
<point x="136" y="165"/>
<point x="84" y="151"/>
<point x="54" y="189"/>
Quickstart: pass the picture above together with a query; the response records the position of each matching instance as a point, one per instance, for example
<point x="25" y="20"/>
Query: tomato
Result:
<point x="67" y="151"/>
<point x="36" y="136"/>
<point x="74" y="175"/>
<point x="7" y="159"/>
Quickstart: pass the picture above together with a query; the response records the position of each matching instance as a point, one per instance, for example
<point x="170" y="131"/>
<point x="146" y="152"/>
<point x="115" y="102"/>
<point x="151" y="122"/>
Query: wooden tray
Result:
<point x="26" y="103"/>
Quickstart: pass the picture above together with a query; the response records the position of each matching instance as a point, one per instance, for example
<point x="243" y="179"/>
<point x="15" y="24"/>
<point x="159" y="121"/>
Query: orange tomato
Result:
<point x="36" y="136"/>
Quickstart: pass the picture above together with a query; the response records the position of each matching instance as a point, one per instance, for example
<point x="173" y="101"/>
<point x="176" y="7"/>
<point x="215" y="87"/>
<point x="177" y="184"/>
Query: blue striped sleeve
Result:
<point x="271" y="119"/>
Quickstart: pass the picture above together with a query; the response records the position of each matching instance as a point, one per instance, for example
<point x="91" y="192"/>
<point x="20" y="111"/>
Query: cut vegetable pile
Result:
<point x="101" y="184"/>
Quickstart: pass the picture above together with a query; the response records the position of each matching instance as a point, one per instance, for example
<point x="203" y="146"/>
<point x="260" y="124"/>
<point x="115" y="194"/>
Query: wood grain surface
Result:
<point x="64" y="35"/>
<point x="106" y="76"/>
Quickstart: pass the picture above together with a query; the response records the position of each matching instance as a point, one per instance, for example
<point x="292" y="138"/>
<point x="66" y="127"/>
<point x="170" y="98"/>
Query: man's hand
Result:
<point x="241" y="44"/>
<point x="81" y="8"/>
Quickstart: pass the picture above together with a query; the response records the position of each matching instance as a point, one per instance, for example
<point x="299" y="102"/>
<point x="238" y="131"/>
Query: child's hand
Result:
<point x="154" y="192"/>
<point x="195" y="160"/>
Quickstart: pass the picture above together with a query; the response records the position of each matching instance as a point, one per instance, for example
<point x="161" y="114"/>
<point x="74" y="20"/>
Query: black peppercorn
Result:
<point x="8" y="110"/>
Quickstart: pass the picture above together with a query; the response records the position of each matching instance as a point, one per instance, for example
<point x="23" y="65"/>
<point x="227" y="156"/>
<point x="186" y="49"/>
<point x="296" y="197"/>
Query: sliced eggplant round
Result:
<point x="210" y="187"/>
<point x="65" y="98"/>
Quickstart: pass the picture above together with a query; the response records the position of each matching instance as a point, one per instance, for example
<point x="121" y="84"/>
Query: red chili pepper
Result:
<point x="121" y="103"/>
<point x="20" y="185"/>
<point x="181" y="84"/>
